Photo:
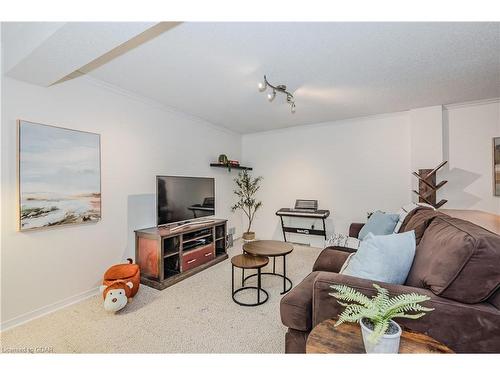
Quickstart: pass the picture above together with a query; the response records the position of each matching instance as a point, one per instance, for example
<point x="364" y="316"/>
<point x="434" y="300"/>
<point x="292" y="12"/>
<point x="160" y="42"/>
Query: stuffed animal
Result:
<point x="120" y="284"/>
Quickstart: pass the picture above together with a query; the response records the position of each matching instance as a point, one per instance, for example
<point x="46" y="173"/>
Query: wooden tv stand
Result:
<point x="169" y="254"/>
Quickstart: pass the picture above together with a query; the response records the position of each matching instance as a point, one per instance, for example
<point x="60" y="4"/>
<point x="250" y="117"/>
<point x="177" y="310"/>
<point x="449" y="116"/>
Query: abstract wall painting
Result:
<point x="496" y="165"/>
<point x="59" y="176"/>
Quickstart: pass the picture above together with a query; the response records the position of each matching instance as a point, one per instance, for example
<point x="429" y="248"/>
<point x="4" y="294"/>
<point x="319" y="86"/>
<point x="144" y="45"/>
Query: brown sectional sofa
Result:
<point x="457" y="264"/>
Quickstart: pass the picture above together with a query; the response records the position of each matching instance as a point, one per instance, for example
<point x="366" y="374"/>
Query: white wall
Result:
<point x="362" y="165"/>
<point x="351" y="167"/>
<point x="138" y="141"/>
<point x="426" y="138"/>
<point x="468" y="135"/>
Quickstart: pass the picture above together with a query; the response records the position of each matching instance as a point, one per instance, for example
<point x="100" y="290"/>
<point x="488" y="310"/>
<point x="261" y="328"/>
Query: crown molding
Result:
<point x="471" y="103"/>
<point x="152" y="103"/>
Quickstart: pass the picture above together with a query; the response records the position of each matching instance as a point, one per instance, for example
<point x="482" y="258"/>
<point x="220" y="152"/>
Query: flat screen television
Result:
<point x="179" y="199"/>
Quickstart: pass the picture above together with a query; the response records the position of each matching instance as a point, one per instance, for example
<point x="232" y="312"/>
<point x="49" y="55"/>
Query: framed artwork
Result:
<point x="496" y="166"/>
<point x="59" y="176"/>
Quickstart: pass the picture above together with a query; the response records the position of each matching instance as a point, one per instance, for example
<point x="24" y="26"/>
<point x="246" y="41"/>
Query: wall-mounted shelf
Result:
<point x="229" y="167"/>
<point x="427" y="186"/>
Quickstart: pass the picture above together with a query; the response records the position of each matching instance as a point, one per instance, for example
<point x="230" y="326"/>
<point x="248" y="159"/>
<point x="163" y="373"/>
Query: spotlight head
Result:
<point x="262" y="86"/>
<point x="271" y="95"/>
<point x="293" y="108"/>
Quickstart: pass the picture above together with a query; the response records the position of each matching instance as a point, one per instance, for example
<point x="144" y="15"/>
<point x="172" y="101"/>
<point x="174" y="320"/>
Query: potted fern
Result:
<point x="381" y="334"/>
<point x="246" y="188"/>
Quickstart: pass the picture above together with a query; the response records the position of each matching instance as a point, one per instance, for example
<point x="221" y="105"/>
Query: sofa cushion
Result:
<point x="458" y="260"/>
<point x="418" y="221"/>
<point x="296" y="306"/>
<point x="379" y="224"/>
<point x="407" y="211"/>
<point x="383" y="258"/>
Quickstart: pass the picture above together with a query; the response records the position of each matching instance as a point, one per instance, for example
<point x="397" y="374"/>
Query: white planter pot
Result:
<point x="386" y="344"/>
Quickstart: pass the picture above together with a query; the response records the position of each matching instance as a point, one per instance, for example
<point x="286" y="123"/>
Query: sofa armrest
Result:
<point x="326" y="306"/>
<point x="354" y="229"/>
<point x="479" y="324"/>
<point x="331" y="259"/>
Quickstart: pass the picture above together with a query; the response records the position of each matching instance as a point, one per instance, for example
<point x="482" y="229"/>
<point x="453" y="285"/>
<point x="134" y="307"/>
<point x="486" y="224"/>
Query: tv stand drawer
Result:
<point x="197" y="257"/>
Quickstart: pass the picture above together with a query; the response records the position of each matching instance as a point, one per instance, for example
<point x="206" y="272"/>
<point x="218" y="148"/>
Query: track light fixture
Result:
<point x="280" y="89"/>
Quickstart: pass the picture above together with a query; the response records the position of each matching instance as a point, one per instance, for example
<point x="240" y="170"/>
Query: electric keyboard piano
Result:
<point x="305" y="209"/>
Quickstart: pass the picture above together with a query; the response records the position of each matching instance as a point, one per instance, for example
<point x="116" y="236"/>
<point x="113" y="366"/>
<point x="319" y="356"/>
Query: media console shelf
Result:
<point x="167" y="255"/>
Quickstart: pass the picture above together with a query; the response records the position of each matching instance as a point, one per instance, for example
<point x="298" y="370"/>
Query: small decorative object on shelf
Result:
<point x="427" y="186"/>
<point x="380" y="333"/>
<point x="223" y="159"/>
<point x="246" y="189"/>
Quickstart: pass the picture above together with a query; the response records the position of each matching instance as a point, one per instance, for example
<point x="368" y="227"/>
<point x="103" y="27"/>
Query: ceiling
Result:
<point x="335" y="70"/>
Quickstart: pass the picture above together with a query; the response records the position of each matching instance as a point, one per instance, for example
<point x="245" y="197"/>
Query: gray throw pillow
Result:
<point x="383" y="258"/>
<point x="379" y="224"/>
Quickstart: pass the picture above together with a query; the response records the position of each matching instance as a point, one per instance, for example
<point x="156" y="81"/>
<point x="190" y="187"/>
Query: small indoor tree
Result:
<point x="246" y="188"/>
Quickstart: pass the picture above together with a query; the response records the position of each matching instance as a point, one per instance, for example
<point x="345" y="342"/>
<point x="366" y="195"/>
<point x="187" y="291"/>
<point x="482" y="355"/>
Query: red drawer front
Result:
<point x="197" y="257"/>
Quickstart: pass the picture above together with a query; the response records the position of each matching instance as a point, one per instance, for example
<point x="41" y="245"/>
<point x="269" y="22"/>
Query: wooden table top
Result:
<point x="249" y="261"/>
<point x="325" y="338"/>
<point x="268" y="248"/>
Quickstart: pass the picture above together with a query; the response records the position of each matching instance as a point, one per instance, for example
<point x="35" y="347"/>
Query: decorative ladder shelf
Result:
<point x="427" y="186"/>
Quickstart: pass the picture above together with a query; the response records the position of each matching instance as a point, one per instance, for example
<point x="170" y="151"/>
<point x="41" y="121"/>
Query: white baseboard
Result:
<point x="35" y="314"/>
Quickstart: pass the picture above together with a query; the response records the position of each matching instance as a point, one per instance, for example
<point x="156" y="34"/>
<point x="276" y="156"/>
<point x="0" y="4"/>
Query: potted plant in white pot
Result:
<point x="381" y="334"/>
<point x="246" y="188"/>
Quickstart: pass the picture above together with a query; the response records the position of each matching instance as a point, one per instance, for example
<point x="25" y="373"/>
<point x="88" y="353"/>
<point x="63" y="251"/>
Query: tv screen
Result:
<point x="184" y="198"/>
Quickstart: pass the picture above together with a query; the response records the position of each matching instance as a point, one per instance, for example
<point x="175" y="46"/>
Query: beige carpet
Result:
<point x="196" y="315"/>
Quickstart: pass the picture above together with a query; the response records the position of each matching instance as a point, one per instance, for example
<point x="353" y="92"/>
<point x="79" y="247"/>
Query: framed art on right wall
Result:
<point x="496" y="166"/>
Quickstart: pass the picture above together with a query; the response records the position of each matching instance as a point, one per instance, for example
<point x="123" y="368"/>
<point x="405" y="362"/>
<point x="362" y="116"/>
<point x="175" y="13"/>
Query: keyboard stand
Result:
<point x="313" y="214"/>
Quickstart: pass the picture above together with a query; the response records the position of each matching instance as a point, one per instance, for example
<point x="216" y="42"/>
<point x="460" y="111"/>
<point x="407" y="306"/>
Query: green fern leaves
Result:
<point x="380" y="309"/>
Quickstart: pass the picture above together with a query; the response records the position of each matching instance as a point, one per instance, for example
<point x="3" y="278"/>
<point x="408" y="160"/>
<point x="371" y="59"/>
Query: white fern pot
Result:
<point x="388" y="343"/>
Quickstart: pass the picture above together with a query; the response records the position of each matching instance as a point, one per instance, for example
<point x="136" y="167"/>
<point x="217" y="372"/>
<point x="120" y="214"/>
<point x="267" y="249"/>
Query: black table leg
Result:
<point x="242" y="277"/>
<point x="258" y="286"/>
<point x="232" y="279"/>
<point x="324" y="228"/>
<point x="283" y="228"/>
<point x="284" y="274"/>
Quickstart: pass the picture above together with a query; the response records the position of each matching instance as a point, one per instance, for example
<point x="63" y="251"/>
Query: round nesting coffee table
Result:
<point x="273" y="249"/>
<point x="244" y="261"/>
<point x="346" y="338"/>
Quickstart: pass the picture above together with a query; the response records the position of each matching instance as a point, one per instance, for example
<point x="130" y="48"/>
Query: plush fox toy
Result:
<point x="120" y="284"/>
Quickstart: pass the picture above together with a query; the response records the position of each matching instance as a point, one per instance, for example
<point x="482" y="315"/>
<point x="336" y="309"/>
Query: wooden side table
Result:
<point x="325" y="338"/>
<point x="244" y="261"/>
<point x="273" y="249"/>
